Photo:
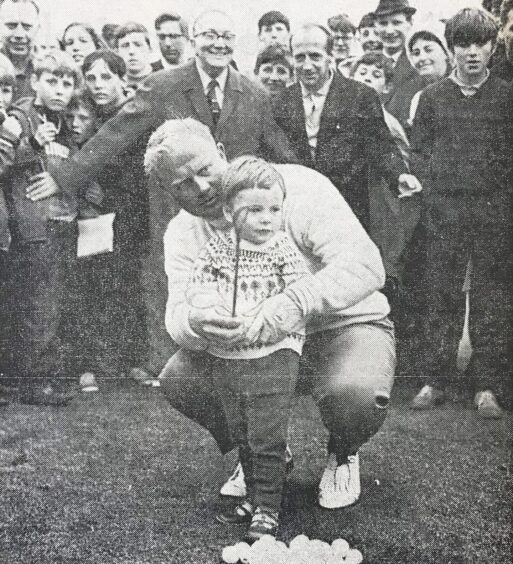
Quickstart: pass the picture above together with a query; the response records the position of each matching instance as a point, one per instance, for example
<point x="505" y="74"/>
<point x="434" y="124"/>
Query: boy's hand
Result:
<point x="42" y="186"/>
<point x="13" y="126"/>
<point x="45" y="133"/>
<point x="216" y="325"/>
<point x="408" y="185"/>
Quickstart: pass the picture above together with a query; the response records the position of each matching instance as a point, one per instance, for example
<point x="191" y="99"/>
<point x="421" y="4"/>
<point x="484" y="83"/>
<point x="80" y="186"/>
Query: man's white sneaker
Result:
<point x="487" y="405"/>
<point x="88" y="383"/>
<point x="235" y="486"/>
<point x="340" y="484"/>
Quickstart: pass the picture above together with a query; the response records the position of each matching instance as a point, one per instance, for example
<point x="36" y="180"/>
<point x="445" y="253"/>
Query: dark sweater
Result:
<point x="503" y="70"/>
<point x="462" y="145"/>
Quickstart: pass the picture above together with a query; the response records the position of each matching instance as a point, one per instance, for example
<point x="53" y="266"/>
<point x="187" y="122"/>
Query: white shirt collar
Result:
<point x="206" y="79"/>
<point x="468" y="89"/>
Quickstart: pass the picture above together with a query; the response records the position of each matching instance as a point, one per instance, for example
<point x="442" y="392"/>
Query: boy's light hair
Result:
<point x="7" y="73"/>
<point x="59" y="64"/>
<point x="248" y="172"/>
<point x="168" y="140"/>
<point x="471" y="25"/>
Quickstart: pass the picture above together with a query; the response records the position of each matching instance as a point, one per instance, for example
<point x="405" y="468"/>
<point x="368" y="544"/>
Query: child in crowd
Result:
<point x="368" y="36"/>
<point x="43" y="233"/>
<point x="461" y="152"/>
<point x="238" y="270"/>
<point x="10" y="131"/>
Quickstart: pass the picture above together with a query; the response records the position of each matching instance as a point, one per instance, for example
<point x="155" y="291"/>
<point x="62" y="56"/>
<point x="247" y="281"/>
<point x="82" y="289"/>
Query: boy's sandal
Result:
<point x="263" y="523"/>
<point x="242" y="513"/>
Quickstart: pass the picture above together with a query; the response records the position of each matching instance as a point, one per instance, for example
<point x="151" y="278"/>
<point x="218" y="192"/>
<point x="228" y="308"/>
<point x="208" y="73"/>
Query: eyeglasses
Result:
<point x="214" y="36"/>
<point x="172" y="36"/>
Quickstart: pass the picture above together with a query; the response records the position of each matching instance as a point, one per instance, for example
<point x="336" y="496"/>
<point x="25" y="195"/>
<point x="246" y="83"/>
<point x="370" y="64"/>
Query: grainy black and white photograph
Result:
<point x="256" y="282"/>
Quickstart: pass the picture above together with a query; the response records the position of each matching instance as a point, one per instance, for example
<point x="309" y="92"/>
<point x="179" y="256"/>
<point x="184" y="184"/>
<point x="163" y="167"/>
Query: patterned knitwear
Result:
<point x="263" y="271"/>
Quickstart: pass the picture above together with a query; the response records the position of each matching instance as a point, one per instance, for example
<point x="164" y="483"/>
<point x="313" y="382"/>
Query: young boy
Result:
<point x="273" y="69"/>
<point x="10" y="131"/>
<point x="461" y="152"/>
<point x="237" y="270"/>
<point x="43" y="235"/>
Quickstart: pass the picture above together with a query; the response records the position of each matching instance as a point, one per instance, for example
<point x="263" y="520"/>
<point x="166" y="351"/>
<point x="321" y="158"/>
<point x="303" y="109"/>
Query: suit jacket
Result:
<point x="403" y="71"/>
<point x="246" y="124"/>
<point x="352" y="136"/>
<point x="157" y="66"/>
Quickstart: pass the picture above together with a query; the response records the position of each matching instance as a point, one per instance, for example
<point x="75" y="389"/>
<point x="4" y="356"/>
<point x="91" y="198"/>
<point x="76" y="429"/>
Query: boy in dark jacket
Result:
<point x="461" y="152"/>
<point x="44" y="235"/>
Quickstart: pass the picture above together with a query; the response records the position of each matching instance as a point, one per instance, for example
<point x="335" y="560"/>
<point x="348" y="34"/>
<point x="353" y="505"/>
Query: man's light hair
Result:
<point x="170" y="139"/>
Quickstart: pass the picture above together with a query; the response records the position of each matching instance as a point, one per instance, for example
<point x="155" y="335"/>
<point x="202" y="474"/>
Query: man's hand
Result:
<point x="42" y="186"/>
<point x="46" y="133"/>
<point x="408" y="185"/>
<point x="217" y="326"/>
<point x="277" y="317"/>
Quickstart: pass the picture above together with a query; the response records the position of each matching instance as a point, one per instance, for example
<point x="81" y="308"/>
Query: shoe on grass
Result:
<point x="487" y="405"/>
<point x="242" y="513"/>
<point x="340" y="483"/>
<point x="3" y="401"/>
<point x="235" y="486"/>
<point x="262" y="523"/>
<point x="88" y="383"/>
<point x="427" y="398"/>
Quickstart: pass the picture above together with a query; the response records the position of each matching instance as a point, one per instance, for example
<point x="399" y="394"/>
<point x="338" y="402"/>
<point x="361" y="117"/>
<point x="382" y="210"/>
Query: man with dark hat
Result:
<point x="393" y="22"/>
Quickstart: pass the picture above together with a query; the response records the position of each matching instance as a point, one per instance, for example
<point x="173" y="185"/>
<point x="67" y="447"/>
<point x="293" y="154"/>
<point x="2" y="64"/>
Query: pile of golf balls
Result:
<point x="301" y="550"/>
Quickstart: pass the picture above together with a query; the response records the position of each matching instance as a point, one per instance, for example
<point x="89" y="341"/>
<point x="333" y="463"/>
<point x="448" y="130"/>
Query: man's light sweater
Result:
<point x="346" y="270"/>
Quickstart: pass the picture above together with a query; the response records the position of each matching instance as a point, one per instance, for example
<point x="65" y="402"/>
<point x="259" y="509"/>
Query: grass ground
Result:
<point x="120" y="478"/>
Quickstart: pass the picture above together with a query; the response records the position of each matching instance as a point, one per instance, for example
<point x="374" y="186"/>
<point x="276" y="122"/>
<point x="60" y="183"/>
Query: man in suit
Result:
<point x="394" y="20"/>
<point x="236" y="110"/>
<point x="335" y="125"/>
<point x="172" y="33"/>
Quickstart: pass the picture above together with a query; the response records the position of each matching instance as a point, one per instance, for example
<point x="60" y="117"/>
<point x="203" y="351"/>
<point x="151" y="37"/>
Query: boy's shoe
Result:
<point x="487" y="405"/>
<point x="263" y="523"/>
<point x="235" y="486"/>
<point x="3" y="401"/>
<point x="242" y="513"/>
<point x="46" y="396"/>
<point x="427" y="398"/>
<point x="88" y="382"/>
<point x="340" y="484"/>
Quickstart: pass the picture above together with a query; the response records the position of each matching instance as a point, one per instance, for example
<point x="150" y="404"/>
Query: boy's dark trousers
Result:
<point x="256" y="395"/>
<point x="38" y="282"/>
<point x="457" y="227"/>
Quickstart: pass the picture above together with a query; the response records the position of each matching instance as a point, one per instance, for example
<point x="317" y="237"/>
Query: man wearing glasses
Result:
<point x="172" y="34"/>
<point x="208" y="89"/>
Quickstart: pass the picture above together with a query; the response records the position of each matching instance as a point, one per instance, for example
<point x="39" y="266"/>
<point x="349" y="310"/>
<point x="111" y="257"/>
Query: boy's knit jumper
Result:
<point x="263" y="271"/>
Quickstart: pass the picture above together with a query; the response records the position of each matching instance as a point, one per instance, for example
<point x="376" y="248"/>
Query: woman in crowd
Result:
<point x="79" y="40"/>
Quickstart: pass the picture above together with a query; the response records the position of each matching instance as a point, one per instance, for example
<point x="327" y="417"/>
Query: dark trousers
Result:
<point x="349" y="371"/>
<point x="107" y="314"/>
<point x="458" y="229"/>
<point x="39" y="274"/>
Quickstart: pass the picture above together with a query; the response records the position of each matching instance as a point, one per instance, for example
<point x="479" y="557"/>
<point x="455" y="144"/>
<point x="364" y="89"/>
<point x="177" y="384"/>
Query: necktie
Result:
<point x="215" y="108"/>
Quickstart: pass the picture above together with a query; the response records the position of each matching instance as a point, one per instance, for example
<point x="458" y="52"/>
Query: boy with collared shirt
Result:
<point x="43" y="234"/>
<point x="461" y="152"/>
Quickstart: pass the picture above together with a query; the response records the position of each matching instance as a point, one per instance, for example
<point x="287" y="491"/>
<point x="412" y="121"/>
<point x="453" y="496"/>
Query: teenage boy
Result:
<point x="461" y="151"/>
<point x="274" y="70"/>
<point x="43" y="235"/>
<point x="173" y="34"/>
<point x="10" y="131"/>
<point x="274" y="29"/>
<point x="393" y="23"/>
<point x="133" y="46"/>
<point x="368" y="34"/>
<point x="343" y="32"/>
